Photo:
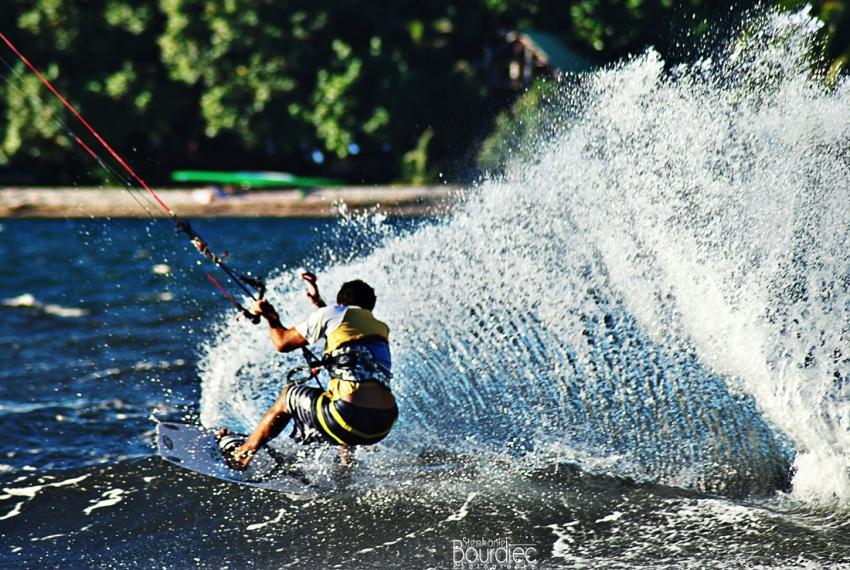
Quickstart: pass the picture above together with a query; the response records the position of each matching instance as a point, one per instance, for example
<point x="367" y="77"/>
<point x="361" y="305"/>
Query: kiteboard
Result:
<point x="195" y="448"/>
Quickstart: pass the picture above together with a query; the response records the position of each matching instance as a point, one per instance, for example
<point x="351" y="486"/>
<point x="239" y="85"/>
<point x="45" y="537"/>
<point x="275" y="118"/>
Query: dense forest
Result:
<point x="367" y="92"/>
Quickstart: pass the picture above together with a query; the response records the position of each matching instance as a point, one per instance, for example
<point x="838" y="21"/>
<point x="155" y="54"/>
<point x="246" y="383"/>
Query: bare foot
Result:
<point x="236" y="455"/>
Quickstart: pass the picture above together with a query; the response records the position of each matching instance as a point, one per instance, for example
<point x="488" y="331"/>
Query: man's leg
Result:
<point x="270" y="426"/>
<point x="346" y="455"/>
<point x="342" y="466"/>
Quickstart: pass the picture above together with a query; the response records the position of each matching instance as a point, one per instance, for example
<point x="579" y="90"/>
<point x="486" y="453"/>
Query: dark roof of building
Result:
<point x="558" y="55"/>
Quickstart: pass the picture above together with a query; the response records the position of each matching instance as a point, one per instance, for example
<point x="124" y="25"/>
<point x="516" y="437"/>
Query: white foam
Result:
<point x="709" y="202"/>
<point x="258" y="526"/>
<point x="16" y="510"/>
<point x="48" y="537"/>
<point x="29" y="301"/>
<point x="25" y="300"/>
<point x="464" y="509"/>
<point x="33" y="490"/>
<point x="613" y="517"/>
<point x="113" y="497"/>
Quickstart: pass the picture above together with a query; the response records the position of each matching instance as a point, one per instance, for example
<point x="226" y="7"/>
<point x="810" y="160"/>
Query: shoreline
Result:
<point x="204" y="202"/>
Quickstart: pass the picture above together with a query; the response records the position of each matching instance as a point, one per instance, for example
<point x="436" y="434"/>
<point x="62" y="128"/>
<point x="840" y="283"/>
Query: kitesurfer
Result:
<point x="358" y="408"/>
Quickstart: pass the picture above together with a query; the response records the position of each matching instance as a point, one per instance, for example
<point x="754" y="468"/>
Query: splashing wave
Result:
<point x="662" y="294"/>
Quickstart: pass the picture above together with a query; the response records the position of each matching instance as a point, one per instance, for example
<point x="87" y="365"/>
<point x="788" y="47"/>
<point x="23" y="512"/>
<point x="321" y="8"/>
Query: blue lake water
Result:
<point x="92" y="333"/>
<point x="97" y="344"/>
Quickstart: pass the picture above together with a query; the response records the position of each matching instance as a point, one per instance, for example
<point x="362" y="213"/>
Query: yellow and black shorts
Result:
<point x="318" y="419"/>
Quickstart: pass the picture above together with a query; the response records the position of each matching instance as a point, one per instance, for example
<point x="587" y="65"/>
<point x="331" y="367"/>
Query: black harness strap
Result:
<point x="313" y="369"/>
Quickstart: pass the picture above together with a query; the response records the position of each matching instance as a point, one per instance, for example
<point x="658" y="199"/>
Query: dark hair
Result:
<point x="358" y="293"/>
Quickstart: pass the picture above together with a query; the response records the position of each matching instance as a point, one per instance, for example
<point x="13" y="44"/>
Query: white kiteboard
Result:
<point x="196" y="449"/>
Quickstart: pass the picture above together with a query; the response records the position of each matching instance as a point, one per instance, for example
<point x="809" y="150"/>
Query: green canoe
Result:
<point x="251" y="179"/>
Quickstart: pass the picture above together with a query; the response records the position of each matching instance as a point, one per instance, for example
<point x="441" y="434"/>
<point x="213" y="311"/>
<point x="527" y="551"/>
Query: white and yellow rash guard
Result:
<point x="340" y="325"/>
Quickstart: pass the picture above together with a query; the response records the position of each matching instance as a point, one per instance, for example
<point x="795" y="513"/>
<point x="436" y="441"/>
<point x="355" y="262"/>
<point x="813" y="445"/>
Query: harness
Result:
<point x="356" y="363"/>
<point x="351" y="363"/>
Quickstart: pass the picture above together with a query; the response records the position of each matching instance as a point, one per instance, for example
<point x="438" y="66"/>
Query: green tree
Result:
<point x="102" y="55"/>
<point x="519" y="130"/>
<point x="835" y="15"/>
<point x="267" y="83"/>
<point x="615" y="28"/>
<point x="344" y="77"/>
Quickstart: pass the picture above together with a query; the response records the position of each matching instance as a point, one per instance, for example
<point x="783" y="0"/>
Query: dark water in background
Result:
<point x="83" y="489"/>
<point x="104" y="337"/>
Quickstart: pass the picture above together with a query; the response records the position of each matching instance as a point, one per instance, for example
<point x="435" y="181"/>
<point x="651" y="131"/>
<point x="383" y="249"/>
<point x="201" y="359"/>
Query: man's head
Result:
<point x="356" y="293"/>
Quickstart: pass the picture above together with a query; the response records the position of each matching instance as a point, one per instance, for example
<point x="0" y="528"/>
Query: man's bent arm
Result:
<point x="284" y="339"/>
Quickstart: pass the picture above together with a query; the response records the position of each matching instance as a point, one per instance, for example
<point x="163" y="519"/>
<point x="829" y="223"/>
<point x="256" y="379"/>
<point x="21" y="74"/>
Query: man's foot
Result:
<point x="221" y="433"/>
<point x="232" y="445"/>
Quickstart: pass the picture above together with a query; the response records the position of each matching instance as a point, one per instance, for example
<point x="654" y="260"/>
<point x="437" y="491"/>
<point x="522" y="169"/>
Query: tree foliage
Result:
<point x="520" y="129"/>
<point x="835" y="15"/>
<point x="363" y="90"/>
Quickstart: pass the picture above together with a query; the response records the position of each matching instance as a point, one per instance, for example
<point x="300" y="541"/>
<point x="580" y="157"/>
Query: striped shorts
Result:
<point x="318" y="419"/>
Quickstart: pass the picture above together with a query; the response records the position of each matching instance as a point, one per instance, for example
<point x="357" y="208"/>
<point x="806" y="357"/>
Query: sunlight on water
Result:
<point x="662" y="294"/>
